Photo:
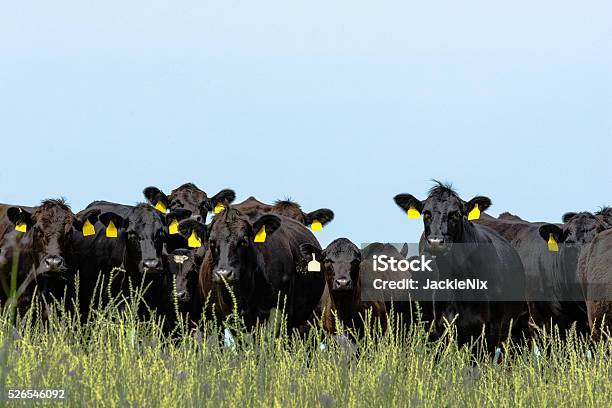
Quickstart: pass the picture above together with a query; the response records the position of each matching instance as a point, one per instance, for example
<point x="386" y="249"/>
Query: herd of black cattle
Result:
<point x="255" y="255"/>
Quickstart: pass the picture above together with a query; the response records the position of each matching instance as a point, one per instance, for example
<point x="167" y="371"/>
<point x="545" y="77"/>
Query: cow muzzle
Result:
<point x="226" y="275"/>
<point x="438" y="244"/>
<point x="152" y="266"/>
<point x="53" y="263"/>
<point x="342" y="284"/>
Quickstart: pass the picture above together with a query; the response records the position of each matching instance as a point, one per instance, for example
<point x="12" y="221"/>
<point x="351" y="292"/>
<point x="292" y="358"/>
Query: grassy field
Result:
<point x="117" y="360"/>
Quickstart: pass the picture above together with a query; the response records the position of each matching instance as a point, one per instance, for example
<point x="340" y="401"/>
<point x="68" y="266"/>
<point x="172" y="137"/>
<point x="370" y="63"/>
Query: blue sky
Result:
<point x="336" y="104"/>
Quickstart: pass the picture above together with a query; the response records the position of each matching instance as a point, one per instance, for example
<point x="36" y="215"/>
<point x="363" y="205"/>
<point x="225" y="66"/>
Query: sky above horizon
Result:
<point x="335" y="104"/>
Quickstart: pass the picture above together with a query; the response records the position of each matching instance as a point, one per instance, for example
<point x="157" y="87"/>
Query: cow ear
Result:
<point x="408" y="201"/>
<point x="194" y="232"/>
<point x="323" y="215"/>
<point x="307" y="249"/>
<point x="567" y="217"/>
<point x="605" y="214"/>
<point x="174" y="217"/>
<point x="186" y="227"/>
<point x="118" y="221"/>
<point x="18" y="215"/>
<point x="557" y="233"/>
<point x="404" y="250"/>
<point x="471" y="208"/>
<point x="155" y="196"/>
<point x="91" y="216"/>
<point x="265" y="225"/>
<point x="219" y="201"/>
<point x="178" y="215"/>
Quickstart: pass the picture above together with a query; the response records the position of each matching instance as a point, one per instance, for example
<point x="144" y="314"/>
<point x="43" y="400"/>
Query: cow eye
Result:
<point x="244" y="243"/>
<point x="427" y="215"/>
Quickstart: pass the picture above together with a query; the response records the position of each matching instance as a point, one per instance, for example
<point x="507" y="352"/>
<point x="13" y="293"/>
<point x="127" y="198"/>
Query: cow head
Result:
<point x="145" y="234"/>
<point x="183" y="266"/>
<point x="578" y="228"/>
<point x="293" y="210"/>
<point x="188" y="197"/>
<point x="444" y="215"/>
<point x="340" y="263"/>
<point x="232" y="243"/>
<point x="46" y="234"/>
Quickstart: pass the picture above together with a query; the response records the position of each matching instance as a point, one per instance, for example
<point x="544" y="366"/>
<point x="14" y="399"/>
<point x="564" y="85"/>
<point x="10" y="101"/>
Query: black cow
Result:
<point x="464" y="250"/>
<point x="188" y="197"/>
<point x="553" y="286"/>
<point x="130" y="237"/>
<point x="183" y="266"/>
<point x="341" y="265"/>
<point x="552" y="289"/>
<point x="261" y="268"/>
<point x="42" y="237"/>
<point x="539" y="265"/>
<point x="595" y="276"/>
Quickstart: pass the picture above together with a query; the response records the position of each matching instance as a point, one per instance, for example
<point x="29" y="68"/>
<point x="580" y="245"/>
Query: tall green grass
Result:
<point x="115" y="359"/>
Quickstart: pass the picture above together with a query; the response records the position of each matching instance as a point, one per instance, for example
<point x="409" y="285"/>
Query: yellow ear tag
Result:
<point x="21" y="227"/>
<point x="173" y="227"/>
<point x="88" y="229"/>
<point x="219" y="208"/>
<point x="194" y="241"/>
<point x="413" y="213"/>
<point x="261" y="235"/>
<point x="316" y="226"/>
<point x="161" y="207"/>
<point x="552" y="244"/>
<point x="111" y="230"/>
<point x="474" y="214"/>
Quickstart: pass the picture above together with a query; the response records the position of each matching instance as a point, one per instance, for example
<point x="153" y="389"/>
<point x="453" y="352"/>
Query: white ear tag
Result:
<point x="314" y="265"/>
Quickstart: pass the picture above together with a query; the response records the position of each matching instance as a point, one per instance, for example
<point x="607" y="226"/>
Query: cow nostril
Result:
<point x="182" y="295"/>
<point x="436" y="240"/>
